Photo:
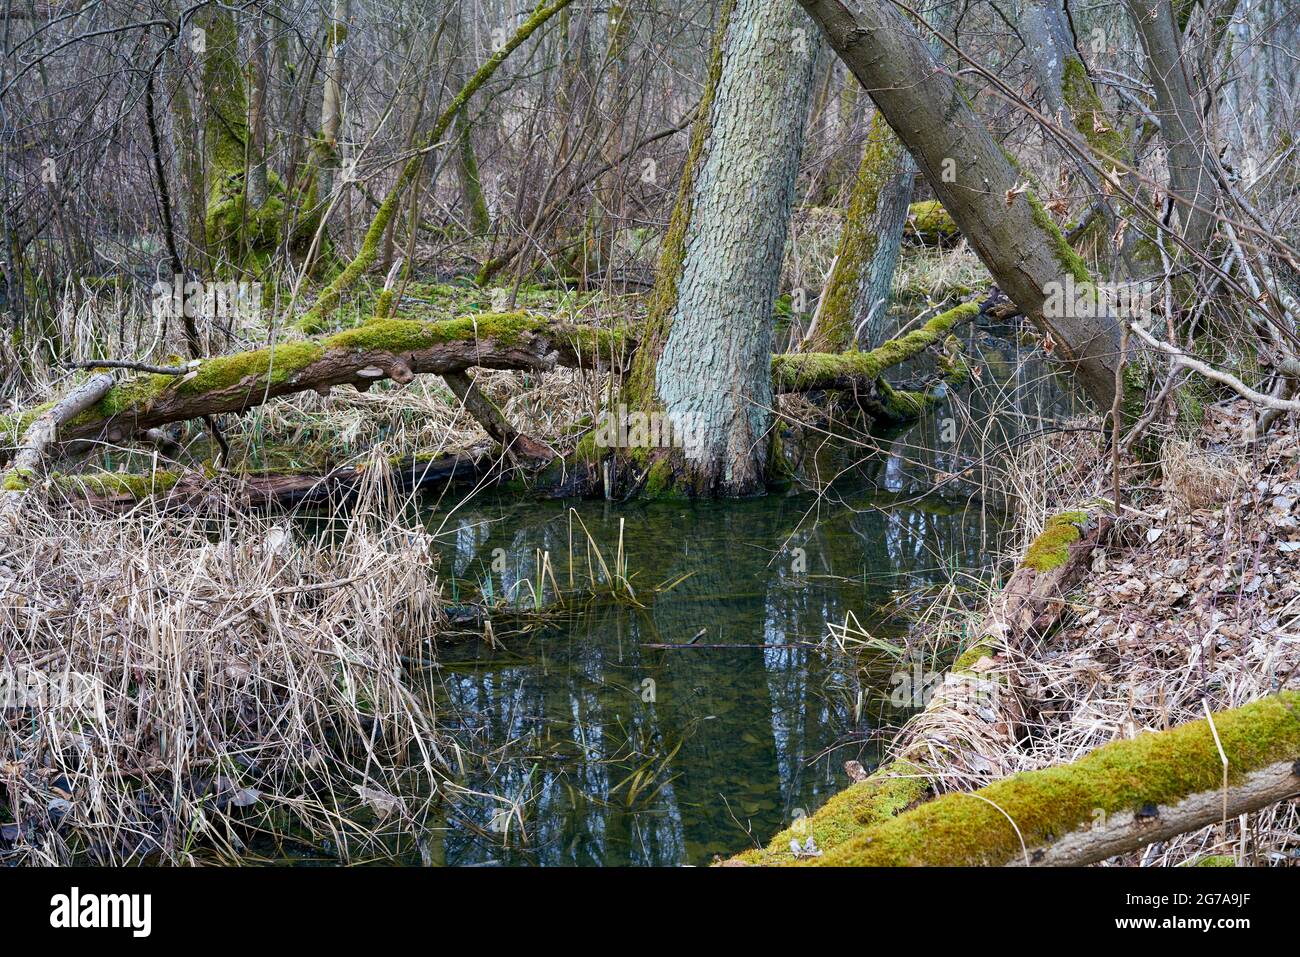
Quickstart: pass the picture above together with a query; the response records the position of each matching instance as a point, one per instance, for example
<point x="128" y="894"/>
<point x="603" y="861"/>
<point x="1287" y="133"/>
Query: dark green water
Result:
<point x="616" y="753"/>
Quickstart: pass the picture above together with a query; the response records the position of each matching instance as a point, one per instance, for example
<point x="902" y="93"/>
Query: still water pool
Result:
<point x="596" y="745"/>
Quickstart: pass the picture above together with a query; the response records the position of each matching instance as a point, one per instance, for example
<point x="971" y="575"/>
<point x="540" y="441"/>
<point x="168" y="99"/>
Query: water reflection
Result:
<point x="601" y="750"/>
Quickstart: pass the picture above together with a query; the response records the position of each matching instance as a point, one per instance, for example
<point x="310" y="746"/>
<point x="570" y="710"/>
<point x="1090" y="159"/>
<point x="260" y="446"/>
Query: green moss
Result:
<point x="884" y="794"/>
<point x="274" y="365"/>
<point x="1051" y="548"/>
<point x="1070" y="261"/>
<point x="930" y="220"/>
<point x="858" y="240"/>
<point x="587" y="451"/>
<point x="659" y="477"/>
<point x="1089" y="113"/>
<point x="1217" y="860"/>
<point x="111" y="484"/>
<point x="981" y="649"/>
<point x="18" y="480"/>
<point x="795" y="371"/>
<point x="1155" y="768"/>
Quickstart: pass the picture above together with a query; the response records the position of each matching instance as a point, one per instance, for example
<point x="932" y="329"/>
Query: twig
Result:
<point x="129" y="365"/>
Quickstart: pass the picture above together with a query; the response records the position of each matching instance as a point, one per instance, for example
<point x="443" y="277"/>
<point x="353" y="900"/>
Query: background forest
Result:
<point x="358" y="357"/>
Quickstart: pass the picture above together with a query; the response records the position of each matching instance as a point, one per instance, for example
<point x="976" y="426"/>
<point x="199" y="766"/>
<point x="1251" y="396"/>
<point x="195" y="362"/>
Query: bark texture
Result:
<point x="714" y="366"/>
<point x="855" y="301"/>
<point x="1190" y="175"/>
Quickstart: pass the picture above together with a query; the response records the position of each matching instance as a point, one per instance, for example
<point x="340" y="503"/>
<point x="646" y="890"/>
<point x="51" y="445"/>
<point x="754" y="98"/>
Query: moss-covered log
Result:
<point x="1149" y="788"/>
<point x="1030" y="604"/>
<point x="118" y="491"/>
<point x="39" y="435"/>
<point x="396" y="349"/>
<point x="802" y="372"/>
<point x="929" y="223"/>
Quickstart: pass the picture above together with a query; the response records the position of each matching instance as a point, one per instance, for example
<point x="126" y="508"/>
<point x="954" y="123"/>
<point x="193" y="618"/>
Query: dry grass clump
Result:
<point x="214" y="685"/>
<point x="927" y="272"/>
<point x="1197" y="477"/>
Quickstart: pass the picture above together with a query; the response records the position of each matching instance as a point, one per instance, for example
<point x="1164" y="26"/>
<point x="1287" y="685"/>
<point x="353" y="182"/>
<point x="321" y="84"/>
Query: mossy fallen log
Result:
<point x="394" y="349"/>
<point x="928" y="222"/>
<point x="802" y="372"/>
<point x="121" y="491"/>
<point x="399" y="349"/>
<point x="1134" y="792"/>
<point x="272" y="489"/>
<point x="44" y="428"/>
<point x="1028" y="606"/>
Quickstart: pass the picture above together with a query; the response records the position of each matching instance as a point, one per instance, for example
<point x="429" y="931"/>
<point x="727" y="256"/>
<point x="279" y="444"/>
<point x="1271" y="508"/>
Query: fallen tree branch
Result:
<point x="514" y="443"/>
<point x="44" y="429"/>
<point x="1183" y="360"/>
<point x="1117" y="798"/>
<point x="116" y="492"/>
<point x="1129" y="830"/>
<point x="132" y="366"/>
<point x="394" y="349"/>
<point x="809" y="371"/>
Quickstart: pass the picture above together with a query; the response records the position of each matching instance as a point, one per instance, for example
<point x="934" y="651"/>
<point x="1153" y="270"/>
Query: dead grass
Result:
<point x="1196" y="601"/>
<point x="215" y="685"/>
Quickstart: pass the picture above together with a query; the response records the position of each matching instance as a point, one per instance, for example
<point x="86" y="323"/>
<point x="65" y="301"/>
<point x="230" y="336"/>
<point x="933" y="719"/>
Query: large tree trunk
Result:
<point x="709" y="334"/>
<point x="225" y="136"/>
<point x="976" y="182"/>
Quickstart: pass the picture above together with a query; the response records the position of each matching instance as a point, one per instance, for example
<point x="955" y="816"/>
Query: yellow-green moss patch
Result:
<point x="880" y="797"/>
<point x="794" y="371"/>
<point x="1155" y="768"/>
<point x="1051" y="548"/>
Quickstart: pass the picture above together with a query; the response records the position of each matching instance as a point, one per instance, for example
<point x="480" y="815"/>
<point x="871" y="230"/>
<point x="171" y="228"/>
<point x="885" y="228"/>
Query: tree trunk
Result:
<point x="853" y="305"/>
<point x="706" y="355"/>
<point x="331" y="113"/>
<point x="259" y="76"/>
<point x="225" y="136"/>
<point x="976" y="182"/>
<point x="1191" y="177"/>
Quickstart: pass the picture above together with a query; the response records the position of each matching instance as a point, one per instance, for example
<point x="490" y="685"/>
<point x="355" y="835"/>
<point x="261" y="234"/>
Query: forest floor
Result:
<point x="1195" y="601"/>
